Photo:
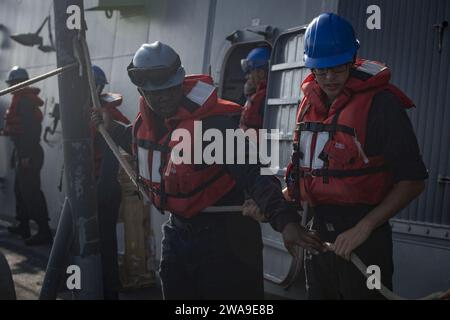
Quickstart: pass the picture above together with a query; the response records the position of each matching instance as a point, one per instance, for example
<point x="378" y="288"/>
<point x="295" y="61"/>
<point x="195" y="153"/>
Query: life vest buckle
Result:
<point x="316" y="126"/>
<point x="309" y="173"/>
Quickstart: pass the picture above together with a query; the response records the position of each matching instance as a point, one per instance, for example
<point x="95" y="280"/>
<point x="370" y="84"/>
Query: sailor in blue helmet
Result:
<point x="255" y="67"/>
<point x="23" y="123"/>
<point x="100" y="78"/>
<point x="356" y="161"/>
<point x="109" y="191"/>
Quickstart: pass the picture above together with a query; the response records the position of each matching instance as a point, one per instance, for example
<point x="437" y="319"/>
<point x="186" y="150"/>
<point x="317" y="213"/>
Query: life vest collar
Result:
<point x="366" y="75"/>
<point x="199" y="90"/>
<point x="31" y="93"/>
<point x="111" y="100"/>
<point x="200" y="101"/>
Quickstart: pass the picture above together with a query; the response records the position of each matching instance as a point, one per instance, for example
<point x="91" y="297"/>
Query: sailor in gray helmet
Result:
<point x="209" y="249"/>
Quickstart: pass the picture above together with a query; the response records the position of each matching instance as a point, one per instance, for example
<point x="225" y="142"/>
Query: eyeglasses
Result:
<point x="336" y="70"/>
<point x="156" y="76"/>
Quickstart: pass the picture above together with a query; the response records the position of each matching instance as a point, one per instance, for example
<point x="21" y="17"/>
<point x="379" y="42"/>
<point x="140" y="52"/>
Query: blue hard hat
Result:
<point x="17" y="74"/>
<point x="258" y="58"/>
<point x="329" y="41"/>
<point x="100" y="76"/>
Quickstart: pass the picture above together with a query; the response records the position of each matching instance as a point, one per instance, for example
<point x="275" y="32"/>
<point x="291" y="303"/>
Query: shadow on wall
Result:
<point x="3" y="108"/>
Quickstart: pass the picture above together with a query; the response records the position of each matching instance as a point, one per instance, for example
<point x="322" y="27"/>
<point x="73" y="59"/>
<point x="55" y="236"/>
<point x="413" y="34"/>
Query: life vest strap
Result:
<point x="222" y="209"/>
<point x="200" y="188"/>
<point x="344" y="173"/>
<point x="321" y="127"/>
<point x="149" y="145"/>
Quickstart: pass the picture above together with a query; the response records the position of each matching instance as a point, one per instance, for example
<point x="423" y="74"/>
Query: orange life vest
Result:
<point x="329" y="165"/>
<point x="183" y="189"/>
<point x="13" y="121"/>
<point x="251" y="116"/>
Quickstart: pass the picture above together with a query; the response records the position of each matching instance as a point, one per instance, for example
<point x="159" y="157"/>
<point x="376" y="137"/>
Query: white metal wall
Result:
<point x="195" y="28"/>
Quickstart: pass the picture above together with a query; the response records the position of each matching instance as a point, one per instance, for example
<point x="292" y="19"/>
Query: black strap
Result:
<point x="149" y="145"/>
<point x="135" y="129"/>
<point x="334" y="124"/>
<point x="326" y="162"/>
<point x="325" y="158"/>
<point x="297" y="155"/>
<point x="190" y="105"/>
<point x="200" y="188"/>
<point x="321" y="127"/>
<point x="344" y="173"/>
<point x="165" y="146"/>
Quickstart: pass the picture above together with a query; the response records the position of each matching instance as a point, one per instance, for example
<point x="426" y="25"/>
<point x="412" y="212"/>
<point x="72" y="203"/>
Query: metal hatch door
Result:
<point x="283" y="95"/>
<point x="287" y="72"/>
<point x="232" y="78"/>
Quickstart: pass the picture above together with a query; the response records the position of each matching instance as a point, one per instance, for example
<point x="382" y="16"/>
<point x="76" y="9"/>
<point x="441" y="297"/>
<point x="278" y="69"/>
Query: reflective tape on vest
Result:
<point x="144" y="170"/>
<point x="200" y="92"/>
<point x="156" y="164"/>
<point x="306" y="138"/>
<point x="305" y="148"/>
<point x="322" y="139"/>
<point x="371" y="67"/>
<point x="143" y="163"/>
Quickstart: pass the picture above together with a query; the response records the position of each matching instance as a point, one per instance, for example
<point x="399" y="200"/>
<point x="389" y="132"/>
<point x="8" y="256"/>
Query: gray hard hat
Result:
<point x="17" y="74"/>
<point x="156" y="66"/>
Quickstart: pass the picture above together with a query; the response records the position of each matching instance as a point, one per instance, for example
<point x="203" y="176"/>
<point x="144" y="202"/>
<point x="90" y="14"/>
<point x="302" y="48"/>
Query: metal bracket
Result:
<point x="427" y="230"/>
<point x="441" y="28"/>
<point x="443" y="179"/>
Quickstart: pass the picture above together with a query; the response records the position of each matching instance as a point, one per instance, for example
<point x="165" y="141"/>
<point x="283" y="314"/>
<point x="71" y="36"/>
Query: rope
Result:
<point x="387" y="293"/>
<point x="101" y="128"/>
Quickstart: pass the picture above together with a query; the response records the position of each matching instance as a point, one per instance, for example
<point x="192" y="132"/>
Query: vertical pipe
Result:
<point x="58" y="255"/>
<point x="209" y="37"/>
<point x="78" y="159"/>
